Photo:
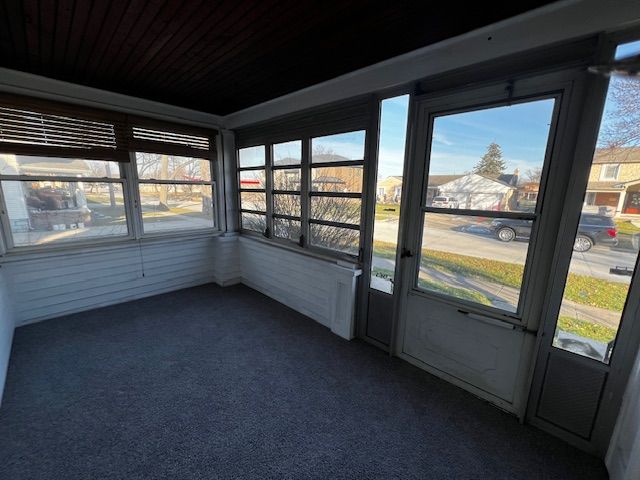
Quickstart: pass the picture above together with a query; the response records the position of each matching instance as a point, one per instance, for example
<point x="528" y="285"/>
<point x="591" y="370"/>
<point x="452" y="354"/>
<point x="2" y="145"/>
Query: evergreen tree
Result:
<point x="491" y="162"/>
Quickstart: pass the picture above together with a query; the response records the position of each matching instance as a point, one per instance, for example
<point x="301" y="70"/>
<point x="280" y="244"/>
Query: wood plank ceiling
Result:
<point x="225" y="55"/>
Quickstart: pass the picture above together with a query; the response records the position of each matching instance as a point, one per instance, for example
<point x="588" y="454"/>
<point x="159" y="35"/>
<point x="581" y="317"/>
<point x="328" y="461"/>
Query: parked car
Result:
<point x="444" y="202"/>
<point x="592" y="230"/>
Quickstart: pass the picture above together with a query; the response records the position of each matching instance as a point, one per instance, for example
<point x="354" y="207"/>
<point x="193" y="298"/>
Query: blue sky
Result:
<point x="460" y="140"/>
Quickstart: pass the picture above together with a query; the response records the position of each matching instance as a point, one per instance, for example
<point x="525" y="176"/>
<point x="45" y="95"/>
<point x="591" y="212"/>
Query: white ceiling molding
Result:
<point x="21" y="83"/>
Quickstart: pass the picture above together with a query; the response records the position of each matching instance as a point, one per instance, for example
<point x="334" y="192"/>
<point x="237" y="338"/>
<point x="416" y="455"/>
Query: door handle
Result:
<point x="405" y="253"/>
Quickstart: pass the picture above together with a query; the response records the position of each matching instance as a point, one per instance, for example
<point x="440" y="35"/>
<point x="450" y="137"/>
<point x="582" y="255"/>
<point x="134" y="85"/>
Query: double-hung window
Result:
<point x="68" y="174"/>
<point x="60" y="175"/>
<point x="175" y="185"/>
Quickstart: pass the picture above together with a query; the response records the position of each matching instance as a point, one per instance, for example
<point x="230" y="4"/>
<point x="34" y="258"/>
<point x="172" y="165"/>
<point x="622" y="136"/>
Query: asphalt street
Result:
<point x="464" y="238"/>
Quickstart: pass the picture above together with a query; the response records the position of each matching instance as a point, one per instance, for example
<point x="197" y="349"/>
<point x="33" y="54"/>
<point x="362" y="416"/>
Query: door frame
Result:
<point x="568" y="84"/>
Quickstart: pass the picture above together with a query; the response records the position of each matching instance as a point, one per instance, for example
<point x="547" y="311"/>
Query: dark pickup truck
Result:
<point x="592" y="230"/>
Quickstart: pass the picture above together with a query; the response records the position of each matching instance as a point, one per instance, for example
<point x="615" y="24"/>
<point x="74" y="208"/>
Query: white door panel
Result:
<point x="482" y="354"/>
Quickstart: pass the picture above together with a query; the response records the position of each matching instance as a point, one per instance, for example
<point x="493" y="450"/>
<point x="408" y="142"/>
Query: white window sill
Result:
<point x="47" y="251"/>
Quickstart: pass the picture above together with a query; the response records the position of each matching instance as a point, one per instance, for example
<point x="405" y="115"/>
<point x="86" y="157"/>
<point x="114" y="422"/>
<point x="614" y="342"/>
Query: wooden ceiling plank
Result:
<point x="100" y="51"/>
<point x="131" y="41"/>
<point x="191" y="36"/>
<point x="31" y="17"/>
<point x="95" y="25"/>
<point x="277" y="39"/>
<point x="163" y="34"/>
<point x="81" y="12"/>
<point x="48" y="22"/>
<point x="64" y="21"/>
<point x="239" y="20"/>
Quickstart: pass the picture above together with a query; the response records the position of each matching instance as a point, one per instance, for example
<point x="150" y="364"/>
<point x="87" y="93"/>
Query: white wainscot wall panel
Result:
<point x="7" y="324"/>
<point x="320" y="289"/>
<point x="47" y="286"/>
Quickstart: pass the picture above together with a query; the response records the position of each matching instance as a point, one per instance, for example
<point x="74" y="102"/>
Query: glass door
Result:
<point x="480" y="169"/>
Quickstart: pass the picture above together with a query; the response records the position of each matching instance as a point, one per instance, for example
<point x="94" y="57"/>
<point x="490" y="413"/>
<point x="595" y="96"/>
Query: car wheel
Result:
<point x="506" y="234"/>
<point x="582" y="244"/>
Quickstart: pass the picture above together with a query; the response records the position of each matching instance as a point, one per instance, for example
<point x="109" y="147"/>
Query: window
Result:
<point x="286" y="190"/>
<point x="253" y="188"/>
<point x="391" y="150"/>
<point x="49" y="199"/>
<point x="176" y="193"/>
<point x="66" y="173"/>
<point x="605" y="249"/>
<point x="283" y="194"/>
<point x="477" y="226"/>
<point x="609" y="171"/>
<point x="337" y="163"/>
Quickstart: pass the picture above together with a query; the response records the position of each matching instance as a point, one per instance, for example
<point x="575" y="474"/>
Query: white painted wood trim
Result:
<point x="22" y="83"/>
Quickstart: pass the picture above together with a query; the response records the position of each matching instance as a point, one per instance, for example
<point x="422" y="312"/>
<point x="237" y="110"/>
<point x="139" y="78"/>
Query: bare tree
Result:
<point x="533" y="175"/>
<point x="621" y="125"/>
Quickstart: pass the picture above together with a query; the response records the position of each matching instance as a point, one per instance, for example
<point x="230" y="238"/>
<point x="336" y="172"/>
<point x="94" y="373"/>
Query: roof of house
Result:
<point x="437" y="180"/>
<point x="615" y="186"/>
<point x="617" y="155"/>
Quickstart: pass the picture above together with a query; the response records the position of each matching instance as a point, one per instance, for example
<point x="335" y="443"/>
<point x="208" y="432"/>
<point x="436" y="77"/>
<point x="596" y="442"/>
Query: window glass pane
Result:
<point x="608" y="232"/>
<point x="336" y="209"/>
<point x="60" y="167"/>
<point x="286" y="179"/>
<point x="474" y="258"/>
<point x="251" y="157"/>
<point x="393" y="127"/>
<point x="286" y="205"/>
<point x="489" y="159"/>
<point x="289" y="153"/>
<point x="253" y="201"/>
<point x="52" y="211"/>
<point x="171" y="167"/>
<point x="335" y="238"/>
<point x="338" y="148"/>
<point x="253" y="221"/>
<point x="252" y="179"/>
<point x="288" y="229"/>
<point x="337" y="179"/>
<point x="175" y="207"/>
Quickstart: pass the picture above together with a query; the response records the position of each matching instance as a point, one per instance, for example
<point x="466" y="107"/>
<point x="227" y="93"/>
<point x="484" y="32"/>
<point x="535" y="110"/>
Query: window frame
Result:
<point x="264" y="190"/>
<point x="137" y="206"/>
<point x="516" y="317"/>
<point x="603" y="170"/>
<point x="306" y="193"/>
<point x="123" y="179"/>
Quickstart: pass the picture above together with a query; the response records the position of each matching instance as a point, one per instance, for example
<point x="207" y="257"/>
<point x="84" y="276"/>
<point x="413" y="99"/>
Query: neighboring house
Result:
<point x="614" y="181"/>
<point x="389" y="190"/>
<point x="435" y="182"/>
<point x="479" y="192"/>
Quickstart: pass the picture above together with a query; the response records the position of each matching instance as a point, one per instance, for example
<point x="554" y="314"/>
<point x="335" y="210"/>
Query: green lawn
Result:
<point x="581" y="289"/>
<point x="586" y="329"/>
<point x="386" y="211"/>
<point x="626" y="227"/>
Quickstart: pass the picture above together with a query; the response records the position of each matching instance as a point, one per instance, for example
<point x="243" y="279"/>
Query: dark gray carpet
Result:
<point x="210" y="383"/>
